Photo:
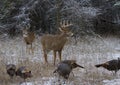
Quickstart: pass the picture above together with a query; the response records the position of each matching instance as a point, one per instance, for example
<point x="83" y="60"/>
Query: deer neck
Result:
<point x="63" y="36"/>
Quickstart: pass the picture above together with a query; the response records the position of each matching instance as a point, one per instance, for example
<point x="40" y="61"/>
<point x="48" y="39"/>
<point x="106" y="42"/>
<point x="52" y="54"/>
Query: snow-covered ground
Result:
<point x="112" y="82"/>
<point x="105" y="82"/>
<point x="87" y="52"/>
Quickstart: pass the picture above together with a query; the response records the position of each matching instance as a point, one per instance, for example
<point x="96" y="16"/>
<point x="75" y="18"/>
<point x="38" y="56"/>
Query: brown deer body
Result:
<point x="29" y="38"/>
<point x="55" y="42"/>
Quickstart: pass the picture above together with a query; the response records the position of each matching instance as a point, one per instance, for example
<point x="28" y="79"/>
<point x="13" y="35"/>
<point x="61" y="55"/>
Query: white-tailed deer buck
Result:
<point x="29" y="38"/>
<point x="56" y="42"/>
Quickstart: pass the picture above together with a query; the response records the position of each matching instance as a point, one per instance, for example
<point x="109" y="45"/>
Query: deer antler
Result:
<point x="65" y="24"/>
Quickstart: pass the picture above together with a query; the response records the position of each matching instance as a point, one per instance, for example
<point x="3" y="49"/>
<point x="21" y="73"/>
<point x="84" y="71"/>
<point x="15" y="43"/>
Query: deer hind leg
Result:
<point x="54" y="52"/>
<point x="59" y="53"/>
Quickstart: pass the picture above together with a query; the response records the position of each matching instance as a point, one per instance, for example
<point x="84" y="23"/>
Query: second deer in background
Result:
<point x="29" y="38"/>
<point x="56" y="42"/>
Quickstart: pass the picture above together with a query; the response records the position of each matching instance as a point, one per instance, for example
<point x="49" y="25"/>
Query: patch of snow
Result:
<point x="117" y="3"/>
<point x="117" y="55"/>
<point x="27" y="83"/>
<point x="90" y="11"/>
<point x="49" y="80"/>
<point x="111" y="82"/>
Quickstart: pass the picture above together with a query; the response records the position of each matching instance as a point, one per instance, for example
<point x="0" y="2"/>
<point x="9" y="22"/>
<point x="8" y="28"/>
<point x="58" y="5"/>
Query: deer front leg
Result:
<point x="45" y="56"/>
<point x="32" y="49"/>
<point x="54" y="56"/>
<point x="59" y="53"/>
<point x="27" y="48"/>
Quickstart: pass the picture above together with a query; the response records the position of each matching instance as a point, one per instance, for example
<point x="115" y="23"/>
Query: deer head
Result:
<point x="56" y="42"/>
<point x="64" y="28"/>
<point x="29" y="38"/>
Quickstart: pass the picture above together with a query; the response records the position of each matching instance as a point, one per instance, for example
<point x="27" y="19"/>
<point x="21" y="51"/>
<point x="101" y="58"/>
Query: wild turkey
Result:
<point x="23" y="72"/>
<point x="112" y="65"/>
<point x="11" y="68"/>
<point x="65" y="67"/>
